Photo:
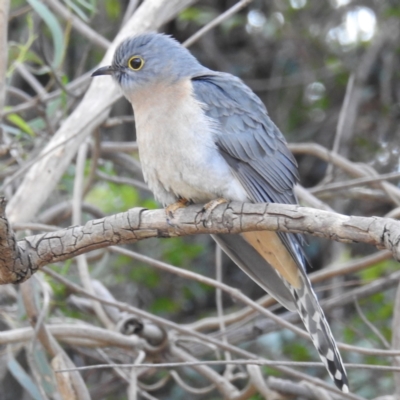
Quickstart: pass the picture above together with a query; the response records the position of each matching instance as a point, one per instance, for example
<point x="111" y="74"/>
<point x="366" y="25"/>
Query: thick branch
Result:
<point x="34" y="252"/>
<point x="13" y="260"/>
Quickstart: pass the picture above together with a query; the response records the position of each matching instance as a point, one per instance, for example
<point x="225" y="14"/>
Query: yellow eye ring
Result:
<point x="136" y="63"/>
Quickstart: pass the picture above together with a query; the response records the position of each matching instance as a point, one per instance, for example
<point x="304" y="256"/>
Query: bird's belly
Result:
<point x="186" y="164"/>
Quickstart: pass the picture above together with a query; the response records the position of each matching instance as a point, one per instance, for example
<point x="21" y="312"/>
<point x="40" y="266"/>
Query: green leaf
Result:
<point x="164" y="305"/>
<point x="24" y="379"/>
<point x="144" y="275"/>
<point x="179" y="252"/>
<point x="37" y="124"/>
<point x="55" y="28"/>
<point x="21" y="124"/>
<point x="90" y="5"/>
<point x="20" y="52"/>
<point x="199" y="16"/>
<point x="391" y="12"/>
<point x="111" y="197"/>
<point x="15" y="4"/>
<point x="44" y="370"/>
<point x="378" y="270"/>
<point x="113" y="9"/>
<point x="77" y="10"/>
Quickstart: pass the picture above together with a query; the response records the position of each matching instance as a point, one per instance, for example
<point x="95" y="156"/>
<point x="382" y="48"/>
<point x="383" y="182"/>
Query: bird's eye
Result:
<point x="136" y="63"/>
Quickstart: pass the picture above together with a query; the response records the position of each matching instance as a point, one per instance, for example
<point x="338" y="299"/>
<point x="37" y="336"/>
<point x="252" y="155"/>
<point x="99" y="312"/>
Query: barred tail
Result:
<point x="316" y="324"/>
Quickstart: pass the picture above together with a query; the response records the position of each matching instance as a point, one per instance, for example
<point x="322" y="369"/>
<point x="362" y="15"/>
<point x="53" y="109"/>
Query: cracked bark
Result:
<point x="20" y="259"/>
<point x="15" y="265"/>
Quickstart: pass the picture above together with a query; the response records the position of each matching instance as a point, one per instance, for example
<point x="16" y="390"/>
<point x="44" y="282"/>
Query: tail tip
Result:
<point x="345" y="388"/>
<point x="342" y="384"/>
<point x="336" y="369"/>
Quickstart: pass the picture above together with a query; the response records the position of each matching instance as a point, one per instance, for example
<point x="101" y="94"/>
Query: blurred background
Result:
<point x="328" y="72"/>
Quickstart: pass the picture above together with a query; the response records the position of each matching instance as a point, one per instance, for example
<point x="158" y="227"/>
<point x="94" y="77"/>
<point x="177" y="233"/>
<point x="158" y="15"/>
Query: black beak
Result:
<point x="108" y="70"/>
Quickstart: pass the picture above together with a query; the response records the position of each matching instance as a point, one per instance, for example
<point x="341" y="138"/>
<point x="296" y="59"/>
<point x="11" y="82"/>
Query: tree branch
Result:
<point x="21" y="259"/>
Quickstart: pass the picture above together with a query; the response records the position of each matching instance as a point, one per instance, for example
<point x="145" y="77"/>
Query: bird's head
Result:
<point x="149" y="59"/>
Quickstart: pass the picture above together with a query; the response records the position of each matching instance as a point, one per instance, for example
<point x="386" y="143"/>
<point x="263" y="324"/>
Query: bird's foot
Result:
<point x="170" y="210"/>
<point x="210" y="207"/>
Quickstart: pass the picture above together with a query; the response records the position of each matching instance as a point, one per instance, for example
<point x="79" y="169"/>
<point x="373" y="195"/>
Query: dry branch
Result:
<point x="34" y="252"/>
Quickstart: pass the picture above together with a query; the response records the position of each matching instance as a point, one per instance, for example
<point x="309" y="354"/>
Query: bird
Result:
<point x="204" y="136"/>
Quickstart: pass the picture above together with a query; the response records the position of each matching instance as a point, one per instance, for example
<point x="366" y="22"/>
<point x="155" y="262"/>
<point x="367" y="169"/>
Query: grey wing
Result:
<point x="248" y="139"/>
<point x="251" y="144"/>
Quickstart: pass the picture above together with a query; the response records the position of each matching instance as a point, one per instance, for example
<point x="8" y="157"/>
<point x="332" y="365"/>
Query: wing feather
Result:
<point x="246" y="132"/>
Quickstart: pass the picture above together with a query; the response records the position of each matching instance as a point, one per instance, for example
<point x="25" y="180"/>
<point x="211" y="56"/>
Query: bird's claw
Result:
<point x="209" y="208"/>
<point x="171" y="209"/>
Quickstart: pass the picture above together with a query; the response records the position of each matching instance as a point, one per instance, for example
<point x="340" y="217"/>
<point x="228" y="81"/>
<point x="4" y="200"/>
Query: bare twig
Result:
<point x="203" y="390"/>
<point x="357" y="170"/>
<point x="251" y="361"/>
<point x="223" y="385"/>
<point x="354" y="182"/>
<point x="373" y="328"/>
<point x="83" y="267"/>
<point x="49" y="342"/>
<point x="219" y="301"/>
<point x="84" y="29"/>
<point x="260" y="383"/>
<point x="123" y="181"/>
<point x="68" y="333"/>
<point x="133" y="378"/>
<point x="132" y="5"/>
<point x="30" y="79"/>
<point x="217" y="21"/>
<point x="77" y="87"/>
<point x="347" y="117"/>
